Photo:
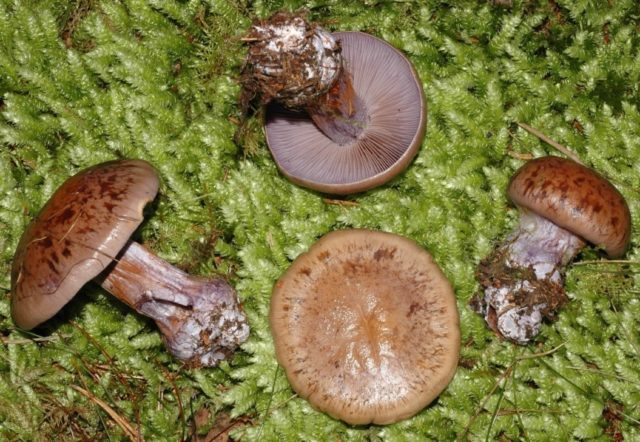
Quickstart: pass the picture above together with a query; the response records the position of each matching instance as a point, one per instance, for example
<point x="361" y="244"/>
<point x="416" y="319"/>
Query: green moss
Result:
<point x="87" y="81"/>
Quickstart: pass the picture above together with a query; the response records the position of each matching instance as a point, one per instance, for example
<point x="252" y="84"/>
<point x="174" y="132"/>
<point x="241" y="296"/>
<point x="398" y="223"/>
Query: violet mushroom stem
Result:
<point x="340" y="113"/>
<point x="198" y="317"/>
<point x="523" y="279"/>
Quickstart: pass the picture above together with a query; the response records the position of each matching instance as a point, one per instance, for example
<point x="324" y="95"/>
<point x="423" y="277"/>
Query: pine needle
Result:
<point x="18" y="341"/>
<point x="343" y="203"/>
<point x="551" y="142"/>
<point x="121" y="421"/>
<point x="606" y="261"/>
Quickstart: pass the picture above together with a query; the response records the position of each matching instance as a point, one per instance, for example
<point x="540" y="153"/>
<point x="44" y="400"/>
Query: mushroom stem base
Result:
<point x="200" y="318"/>
<point x="522" y="281"/>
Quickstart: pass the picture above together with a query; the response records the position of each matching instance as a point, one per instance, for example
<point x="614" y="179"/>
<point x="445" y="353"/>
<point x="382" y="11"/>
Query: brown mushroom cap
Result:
<point x="392" y="96"/>
<point x="76" y="236"/>
<point x="575" y="198"/>
<point x="366" y="327"/>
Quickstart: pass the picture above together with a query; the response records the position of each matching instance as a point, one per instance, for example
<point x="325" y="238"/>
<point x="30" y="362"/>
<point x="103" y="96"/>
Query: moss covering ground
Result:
<point x="86" y="81"/>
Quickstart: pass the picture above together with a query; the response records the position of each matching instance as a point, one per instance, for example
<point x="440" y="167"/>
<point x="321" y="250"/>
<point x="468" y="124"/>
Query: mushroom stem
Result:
<point x="200" y="318"/>
<point x="340" y="113"/>
<point x="522" y="279"/>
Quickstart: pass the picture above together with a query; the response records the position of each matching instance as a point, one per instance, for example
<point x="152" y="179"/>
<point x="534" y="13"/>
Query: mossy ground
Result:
<point x="86" y="81"/>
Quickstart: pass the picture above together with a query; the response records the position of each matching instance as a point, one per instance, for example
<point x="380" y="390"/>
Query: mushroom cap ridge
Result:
<point x="575" y="198"/>
<point x="76" y="235"/>
<point x="391" y="92"/>
<point x="366" y="326"/>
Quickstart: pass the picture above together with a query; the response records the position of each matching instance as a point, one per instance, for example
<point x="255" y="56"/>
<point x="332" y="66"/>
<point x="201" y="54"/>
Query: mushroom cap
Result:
<point x="366" y="327"/>
<point x="76" y="235"/>
<point x="575" y="198"/>
<point x="391" y="93"/>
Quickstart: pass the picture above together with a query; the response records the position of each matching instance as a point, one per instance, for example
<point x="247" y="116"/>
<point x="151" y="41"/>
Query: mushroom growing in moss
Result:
<point x="563" y="205"/>
<point x="366" y="327"/>
<point x="346" y="111"/>
<point x="82" y="233"/>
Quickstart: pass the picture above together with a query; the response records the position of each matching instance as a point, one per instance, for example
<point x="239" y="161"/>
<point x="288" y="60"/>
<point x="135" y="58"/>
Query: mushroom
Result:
<point x="366" y="327"/>
<point x="82" y="233"/>
<point x="563" y="205"/>
<point x="346" y="112"/>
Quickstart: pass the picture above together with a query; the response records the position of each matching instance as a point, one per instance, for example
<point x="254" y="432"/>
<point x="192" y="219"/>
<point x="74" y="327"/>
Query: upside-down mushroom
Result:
<point x="346" y="110"/>
<point x="82" y="233"/>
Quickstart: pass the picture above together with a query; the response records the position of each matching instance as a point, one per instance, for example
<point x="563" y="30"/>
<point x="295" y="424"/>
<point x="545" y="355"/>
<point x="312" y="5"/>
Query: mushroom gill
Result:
<point x="393" y="123"/>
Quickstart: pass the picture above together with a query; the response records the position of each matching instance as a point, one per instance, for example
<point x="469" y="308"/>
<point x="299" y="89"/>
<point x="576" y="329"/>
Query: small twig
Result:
<point x="8" y="341"/>
<point x="344" y="203"/>
<point x="171" y="380"/>
<point x="109" y="368"/>
<point x="584" y="392"/>
<point x="121" y="421"/>
<point x="539" y="355"/>
<point x="494" y="415"/>
<point x="504" y="375"/>
<point x="275" y="378"/>
<point x="93" y="341"/>
<point x="523" y="428"/>
<point x="226" y="429"/>
<point x="551" y="142"/>
<point x="118" y="373"/>
<point x="520" y="155"/>
<point x="512" y="411"/>
<point x="284" y="402"/>
<point x="268" y="412"/>
<point x="606" y="261"/>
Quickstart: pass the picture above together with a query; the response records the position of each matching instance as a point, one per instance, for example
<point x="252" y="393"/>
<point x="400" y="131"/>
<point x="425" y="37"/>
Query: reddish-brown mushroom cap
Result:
<point x="391" y="95"/>
<point x="76" y="236"/>
<point x="575" y="198"/>
<point x="366" y="327"/>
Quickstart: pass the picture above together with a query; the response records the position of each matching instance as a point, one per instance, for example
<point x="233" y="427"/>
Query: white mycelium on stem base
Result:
<point x="286" y="42"/>
<point x="563" y="206"/>
<point x="200" y="319"/>
<point x="299" y="65"/>
<point x="522" y="279"/>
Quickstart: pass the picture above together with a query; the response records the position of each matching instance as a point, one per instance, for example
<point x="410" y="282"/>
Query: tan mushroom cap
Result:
<point x="575" y="198"/>
<point x="366" y="327"/>
<point x="76" y="235"/>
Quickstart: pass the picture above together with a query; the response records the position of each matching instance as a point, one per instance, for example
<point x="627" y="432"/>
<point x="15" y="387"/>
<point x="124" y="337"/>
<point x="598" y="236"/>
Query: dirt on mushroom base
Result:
<point x="292" y="75"/>
<point x="494" y="272"/>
